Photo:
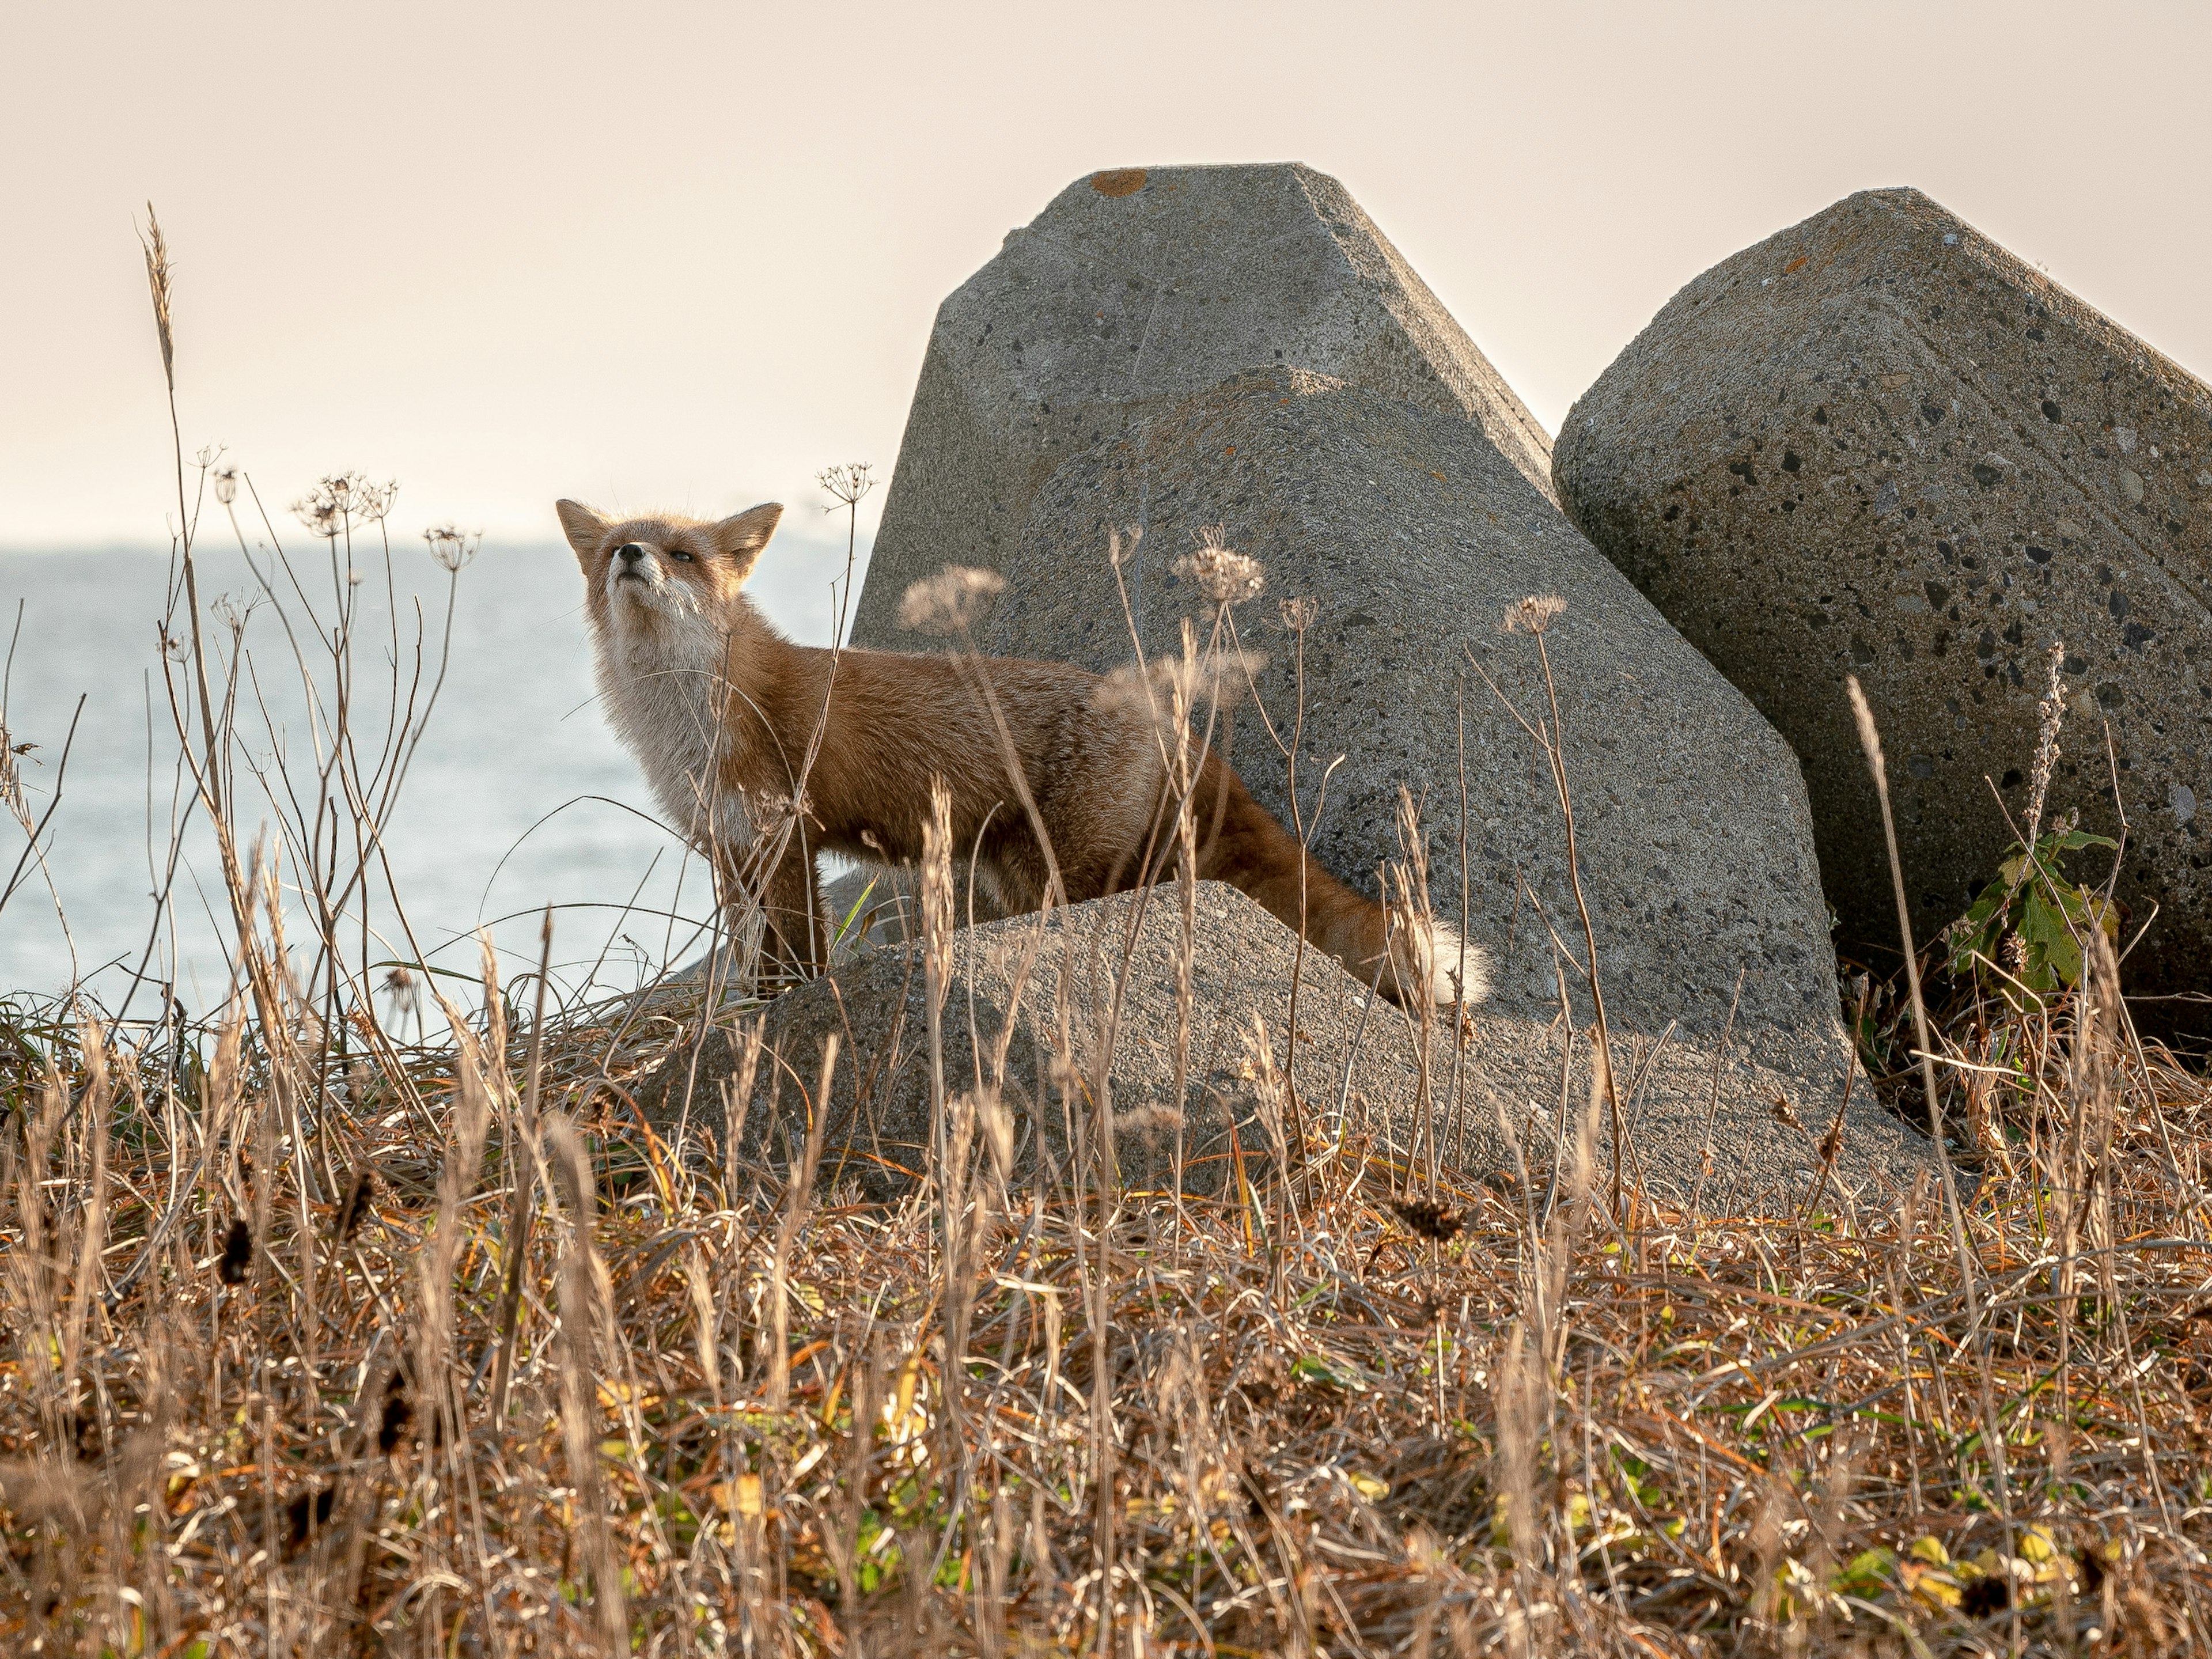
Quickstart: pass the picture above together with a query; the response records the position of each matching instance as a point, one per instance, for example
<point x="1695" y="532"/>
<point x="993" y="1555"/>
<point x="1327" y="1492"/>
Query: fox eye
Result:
<point x="679" y="556"/>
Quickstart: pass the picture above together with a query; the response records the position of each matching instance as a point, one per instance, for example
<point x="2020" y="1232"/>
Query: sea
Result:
<point x="516" y="796"/>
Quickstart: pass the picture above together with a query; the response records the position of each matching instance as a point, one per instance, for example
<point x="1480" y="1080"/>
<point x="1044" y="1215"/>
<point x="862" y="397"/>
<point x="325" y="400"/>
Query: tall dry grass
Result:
<point x="323" y="1339"/>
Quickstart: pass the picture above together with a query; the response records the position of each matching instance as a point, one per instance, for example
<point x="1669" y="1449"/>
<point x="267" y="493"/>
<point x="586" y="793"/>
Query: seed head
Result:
<point x="848" y="483"/>
<point x="1170" y="688"/>
<point x="1298" y="614"/>
<point x="11" y="777"/>
<point x="1223" y="576"/>
<point x="158" y="276"/>
<point x="225" y="484"/>
<point x="951" y="602"/>
<point x="1533" y="615"/>
<point x="450" y="546"/>
<point x="2047" y="742"/>
<point x="343" y="499"/>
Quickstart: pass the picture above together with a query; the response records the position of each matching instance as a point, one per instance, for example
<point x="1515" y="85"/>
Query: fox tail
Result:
<point x="1410" y="959"/>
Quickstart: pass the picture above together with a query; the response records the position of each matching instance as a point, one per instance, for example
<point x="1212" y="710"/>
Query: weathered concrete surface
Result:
<point x="1414" y="535"/>
<point x="1877" y="443"/>
<point x="1139" y="284"/>
<point x="1697" y="1125"/>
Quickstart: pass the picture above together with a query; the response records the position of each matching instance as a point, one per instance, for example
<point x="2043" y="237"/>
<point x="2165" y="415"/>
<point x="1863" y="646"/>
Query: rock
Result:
<point x="1359" y="1072"/>
<point x="1877" y="443"/>
<point x="1401" y="492"/>
<point x="1414" y="535"/>
<point x="1140" y="284"/>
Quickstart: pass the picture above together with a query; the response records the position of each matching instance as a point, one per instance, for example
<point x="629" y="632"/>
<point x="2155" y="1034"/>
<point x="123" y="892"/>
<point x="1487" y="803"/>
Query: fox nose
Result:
<point x="630" y="552"/>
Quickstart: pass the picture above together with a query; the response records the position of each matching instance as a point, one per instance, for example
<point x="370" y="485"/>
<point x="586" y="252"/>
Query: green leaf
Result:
<point x="1331" y="1373"/>
<point x="2072" y="840"/>
<point x="1866" y="1573"/>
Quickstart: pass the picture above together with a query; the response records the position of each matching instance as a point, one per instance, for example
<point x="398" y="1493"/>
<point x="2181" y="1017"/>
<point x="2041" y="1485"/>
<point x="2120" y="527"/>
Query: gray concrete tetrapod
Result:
<point x="1878" y="444"/>
<point x="1401" y="491"/>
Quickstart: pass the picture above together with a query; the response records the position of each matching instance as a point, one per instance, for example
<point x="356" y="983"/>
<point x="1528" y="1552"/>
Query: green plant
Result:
<point x="2023" y="936"/>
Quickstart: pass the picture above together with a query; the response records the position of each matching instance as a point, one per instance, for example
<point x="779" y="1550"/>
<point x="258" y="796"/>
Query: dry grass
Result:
<point x="1705" y="1434"/>
<point x="322" y="1340"/>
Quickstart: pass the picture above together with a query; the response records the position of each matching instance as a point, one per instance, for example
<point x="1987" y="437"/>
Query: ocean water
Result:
<point x="517" y="797"/>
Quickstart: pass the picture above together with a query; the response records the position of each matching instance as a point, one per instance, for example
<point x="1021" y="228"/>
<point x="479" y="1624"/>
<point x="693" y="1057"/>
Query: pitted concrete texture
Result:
<point x="1702" y="1122"/>
<point x="1413" y="536"/>
<point x="1138" y="284"/>
<point x="1877" y="443"/>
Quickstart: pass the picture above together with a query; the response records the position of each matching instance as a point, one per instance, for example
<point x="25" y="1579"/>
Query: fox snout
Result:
<point x="639" y="573"/>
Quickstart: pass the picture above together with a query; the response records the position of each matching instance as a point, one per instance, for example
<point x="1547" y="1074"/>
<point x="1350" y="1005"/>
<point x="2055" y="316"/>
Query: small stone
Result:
<point x="2131" y="487"/>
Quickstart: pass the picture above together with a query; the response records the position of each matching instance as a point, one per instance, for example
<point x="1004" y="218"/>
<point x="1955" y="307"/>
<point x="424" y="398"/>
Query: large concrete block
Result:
<point x="1105" y="972"/>
<point x="1413" y="534"/>
<point x="1140" y="284"/>
<point x="1403" y="495"/>
<point x="1877" y="443"/>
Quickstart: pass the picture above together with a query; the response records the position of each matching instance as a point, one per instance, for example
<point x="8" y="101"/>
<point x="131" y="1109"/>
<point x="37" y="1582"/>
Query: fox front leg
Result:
<point x="796" y="939"/>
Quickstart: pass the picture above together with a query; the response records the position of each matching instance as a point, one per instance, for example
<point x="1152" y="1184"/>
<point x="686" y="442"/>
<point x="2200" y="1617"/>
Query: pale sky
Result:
<point x="687" y="254"/>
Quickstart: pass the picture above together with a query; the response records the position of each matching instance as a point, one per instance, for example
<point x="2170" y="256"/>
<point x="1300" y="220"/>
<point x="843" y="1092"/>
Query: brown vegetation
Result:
<point x="322" y="1340"/>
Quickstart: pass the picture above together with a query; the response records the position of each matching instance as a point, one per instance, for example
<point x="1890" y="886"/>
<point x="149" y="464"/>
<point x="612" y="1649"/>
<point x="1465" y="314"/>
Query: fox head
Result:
<point x="644" y="573"/>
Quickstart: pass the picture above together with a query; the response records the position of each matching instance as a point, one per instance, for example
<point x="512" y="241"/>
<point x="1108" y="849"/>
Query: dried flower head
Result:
<point x="951" y="602"/>
<point x="1298" y="614"/>
<point x="11" y="778"/>
<point x="225" y="484"/>
<point x="450" y="546"/>
<point x="1117" y="549"/>
<point x="1154" y="1117"/>
<point x="848" y="483"/>
<point x="1533" y="615"/>
<point x="1179" y="687"/>
<point x="343" y="499"/>
<point x="399" y="984"/>
<point x="2046" y="742"/>
<point x="234" y="615"/>
<point x="1223" y="576"/>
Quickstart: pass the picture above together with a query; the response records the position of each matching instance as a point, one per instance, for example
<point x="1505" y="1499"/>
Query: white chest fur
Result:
<point x="664" y="694"/>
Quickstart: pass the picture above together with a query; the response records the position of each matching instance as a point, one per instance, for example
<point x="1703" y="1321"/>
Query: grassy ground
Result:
<point x="1302" y="1422"/>
<point x="313" y="1341"/>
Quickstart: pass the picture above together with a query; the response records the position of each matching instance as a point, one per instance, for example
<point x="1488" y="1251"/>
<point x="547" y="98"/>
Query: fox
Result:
<point x="765" y="753"/>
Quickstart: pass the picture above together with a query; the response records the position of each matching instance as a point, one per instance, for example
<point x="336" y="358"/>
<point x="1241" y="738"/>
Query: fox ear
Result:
<point x="741" y="537"/>
<point x="583" y="528"/>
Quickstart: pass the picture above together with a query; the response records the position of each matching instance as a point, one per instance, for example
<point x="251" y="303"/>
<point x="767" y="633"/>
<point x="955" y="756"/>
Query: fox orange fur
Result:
<point x="724" y="713"/>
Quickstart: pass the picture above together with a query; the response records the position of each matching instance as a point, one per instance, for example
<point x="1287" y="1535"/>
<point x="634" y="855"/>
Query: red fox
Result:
<point x="742" y="733"/>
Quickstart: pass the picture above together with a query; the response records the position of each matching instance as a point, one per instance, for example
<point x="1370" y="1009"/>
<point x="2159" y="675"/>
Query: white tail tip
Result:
<point x="1449" y="967"/>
